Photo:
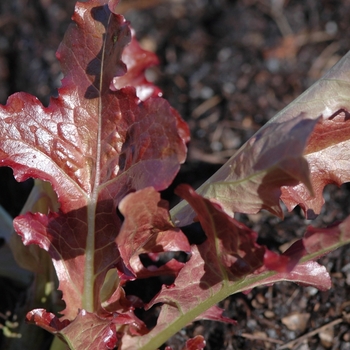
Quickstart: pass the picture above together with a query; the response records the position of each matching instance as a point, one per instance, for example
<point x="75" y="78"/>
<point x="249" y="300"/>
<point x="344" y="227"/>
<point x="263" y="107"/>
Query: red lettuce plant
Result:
<point x="110" y="141"/>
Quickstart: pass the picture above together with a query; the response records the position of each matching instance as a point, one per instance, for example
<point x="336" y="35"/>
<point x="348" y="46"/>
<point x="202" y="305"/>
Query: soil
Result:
<point x="227" y="66"/>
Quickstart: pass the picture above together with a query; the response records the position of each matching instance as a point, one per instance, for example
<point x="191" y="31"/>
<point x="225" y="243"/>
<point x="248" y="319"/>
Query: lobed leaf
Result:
<point x="137" y="61"/>
<point x="286" y="149"/>
<point x="252" y="179"/>
<point x="89" y="331"/>
<point x="211" y="274"/>
<point x="327" y="148"/>
<point x="327" y="153"/>
<point x="147" y="229"/>
<point x="107" y="140"/>
<point x="228" y="255"/>
<point x="94" y="146"/>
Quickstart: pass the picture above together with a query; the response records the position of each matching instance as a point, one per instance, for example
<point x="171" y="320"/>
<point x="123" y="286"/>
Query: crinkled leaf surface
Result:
<point x="316" y="243"/>
<point x="89" y="331"/>
<point x="320" y="241"/>
<point x="238" y="185"/>
<point x="213" y="272"/>
<point x="97" y="141"/>
<point x="252" y="179"/>
<point x="328" y="155"/>
<point x="94" y="145"/>
<point x="229" y="253"/>
<point x="147" y="229"/>
<point x="137" y="61"/>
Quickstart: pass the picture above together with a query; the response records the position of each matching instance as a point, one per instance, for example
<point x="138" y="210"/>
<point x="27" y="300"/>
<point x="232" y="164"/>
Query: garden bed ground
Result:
<point x="228" y="67"/>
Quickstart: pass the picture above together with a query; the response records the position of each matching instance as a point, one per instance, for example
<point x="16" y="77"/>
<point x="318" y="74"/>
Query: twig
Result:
<point x="205" y="106"/>
<point x="257" y="337"/>
<point x="275" y="11"/>
<point x="293" y="296"/>
<point x="322" y="60"/>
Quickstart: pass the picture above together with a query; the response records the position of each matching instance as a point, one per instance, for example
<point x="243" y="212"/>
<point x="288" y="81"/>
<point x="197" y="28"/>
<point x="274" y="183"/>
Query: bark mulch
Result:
<point x="227" y="67"/>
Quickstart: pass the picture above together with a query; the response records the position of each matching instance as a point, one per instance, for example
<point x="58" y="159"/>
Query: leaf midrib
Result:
<point x="89" y="271"/>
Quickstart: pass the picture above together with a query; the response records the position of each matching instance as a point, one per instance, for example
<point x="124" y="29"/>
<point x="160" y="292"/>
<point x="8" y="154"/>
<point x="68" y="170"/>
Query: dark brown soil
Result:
<point x="228" y="67"/>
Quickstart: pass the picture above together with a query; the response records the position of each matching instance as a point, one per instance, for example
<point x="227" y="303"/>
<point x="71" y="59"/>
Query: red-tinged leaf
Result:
<point x="309" y="273"/>
<point x="196" y="283"/>
<point x="281" y="262"/>
<point x="185" y="301"/>
<point x="46" y="320"/>
<point x="94" y="145"/>
<point x="147" y="229"/>
<point x="228" y="255"/>
<point x="327" y="153"/>
<point x="62" y="235"/>
<point x="320" y="241"/>
<point x="42" y="199"/>
<point x="215" y="314"/>
<point x="181" y="307"/>
<point x="88" y="331"/>
<point x="208" y="277"/>
<point x="89" y="135"/>
<point x="252" y="179"/>
<point x="196" y="343"/>
<point x="230" y="250"/>
<point x="316" y="243"/>
<point x="197" y="288"/>
<point x="137" y="60"/>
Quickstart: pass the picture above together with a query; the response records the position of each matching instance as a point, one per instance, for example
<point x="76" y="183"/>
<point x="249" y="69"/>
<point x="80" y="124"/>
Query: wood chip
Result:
<point x="296" y="321"/>
<point x="269" y="314"/>
<point x="326" y="337"/>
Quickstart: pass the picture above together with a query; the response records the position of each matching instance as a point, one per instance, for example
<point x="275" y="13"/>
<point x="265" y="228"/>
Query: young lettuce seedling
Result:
<point x="109" y="141"/>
